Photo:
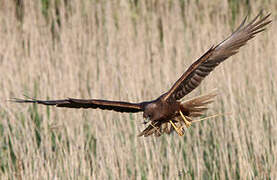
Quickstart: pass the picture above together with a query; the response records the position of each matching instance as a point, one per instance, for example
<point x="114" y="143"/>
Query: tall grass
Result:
<point x="133" y="51"/>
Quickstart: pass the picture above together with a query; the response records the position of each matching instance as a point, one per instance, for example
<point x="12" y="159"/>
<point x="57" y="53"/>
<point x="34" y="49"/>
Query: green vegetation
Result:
<point x="132" y="50"/>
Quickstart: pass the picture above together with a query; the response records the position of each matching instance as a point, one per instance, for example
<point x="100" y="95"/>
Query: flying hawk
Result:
<point x="168" y="112"/>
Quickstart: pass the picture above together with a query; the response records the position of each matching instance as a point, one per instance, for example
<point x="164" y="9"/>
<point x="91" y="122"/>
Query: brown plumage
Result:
<point x="167" y="111"/>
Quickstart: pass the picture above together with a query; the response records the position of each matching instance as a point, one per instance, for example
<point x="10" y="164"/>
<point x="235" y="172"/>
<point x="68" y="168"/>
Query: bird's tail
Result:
<point x="197" y="106"/>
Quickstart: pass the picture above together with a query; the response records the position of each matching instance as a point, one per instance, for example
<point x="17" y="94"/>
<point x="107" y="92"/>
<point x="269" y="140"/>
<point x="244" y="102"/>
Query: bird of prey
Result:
<point x="168" y="112"/>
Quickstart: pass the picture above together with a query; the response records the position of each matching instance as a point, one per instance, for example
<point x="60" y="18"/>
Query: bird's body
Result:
<point x="168" y="112"/>
<point x="162" y="114"/>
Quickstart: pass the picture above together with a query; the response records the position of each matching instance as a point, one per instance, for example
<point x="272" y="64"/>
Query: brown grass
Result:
<point x="121" y="50"/>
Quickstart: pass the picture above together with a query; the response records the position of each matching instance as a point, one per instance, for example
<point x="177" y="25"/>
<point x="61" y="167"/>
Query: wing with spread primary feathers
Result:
<point x="118" y="106"/>
<point x="214" y="56"/>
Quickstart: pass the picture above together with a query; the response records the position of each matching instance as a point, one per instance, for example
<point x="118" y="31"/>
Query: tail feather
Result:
<point x="197" y="106"/>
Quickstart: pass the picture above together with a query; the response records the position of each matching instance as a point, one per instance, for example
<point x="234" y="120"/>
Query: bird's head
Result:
<point x="151" y="112"/>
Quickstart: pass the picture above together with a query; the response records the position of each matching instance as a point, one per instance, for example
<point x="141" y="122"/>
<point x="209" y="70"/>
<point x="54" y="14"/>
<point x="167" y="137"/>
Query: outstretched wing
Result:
<point x="214" y="56"/>
<point x="88" y="103"/>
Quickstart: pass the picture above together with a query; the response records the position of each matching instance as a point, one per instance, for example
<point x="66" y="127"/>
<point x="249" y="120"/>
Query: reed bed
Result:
<point x="133" y="51"/>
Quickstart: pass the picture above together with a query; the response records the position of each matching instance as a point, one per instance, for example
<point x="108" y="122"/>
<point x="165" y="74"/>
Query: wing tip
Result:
<point x="19" y="100"/>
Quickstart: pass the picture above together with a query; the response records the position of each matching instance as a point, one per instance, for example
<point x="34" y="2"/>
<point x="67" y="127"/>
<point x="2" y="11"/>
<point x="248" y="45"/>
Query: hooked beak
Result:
<point x="146" y="120"/>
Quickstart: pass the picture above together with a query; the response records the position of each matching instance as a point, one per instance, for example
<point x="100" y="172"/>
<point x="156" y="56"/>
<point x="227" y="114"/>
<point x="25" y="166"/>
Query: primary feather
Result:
<point x="118" y="106"/>
<point x="214" y="56"/>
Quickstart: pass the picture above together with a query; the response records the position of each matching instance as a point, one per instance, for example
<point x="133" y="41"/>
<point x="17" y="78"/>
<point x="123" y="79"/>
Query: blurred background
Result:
<point x="133" y="51"/>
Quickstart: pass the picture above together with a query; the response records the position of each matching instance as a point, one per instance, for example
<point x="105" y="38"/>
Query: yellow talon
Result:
<point x="187" y="123"/>
<point x="180" y="133"/>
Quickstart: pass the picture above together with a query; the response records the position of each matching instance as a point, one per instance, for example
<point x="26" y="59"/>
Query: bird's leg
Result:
<point x="178" y="130"/>
<point x="187" y="123"/>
